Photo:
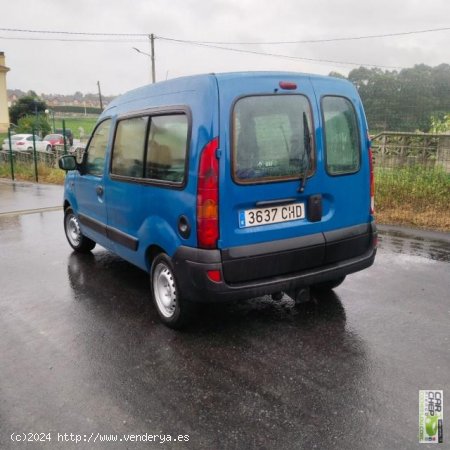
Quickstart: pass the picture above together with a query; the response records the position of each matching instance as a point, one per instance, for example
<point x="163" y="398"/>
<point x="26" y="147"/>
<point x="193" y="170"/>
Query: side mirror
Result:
<point x="67" y="162"/>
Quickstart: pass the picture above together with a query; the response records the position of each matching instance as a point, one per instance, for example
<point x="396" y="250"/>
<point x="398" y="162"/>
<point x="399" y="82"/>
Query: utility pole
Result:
<point x="151" y="55"/>
<point x="100" y="95"/>
<point x="152" y="48"/>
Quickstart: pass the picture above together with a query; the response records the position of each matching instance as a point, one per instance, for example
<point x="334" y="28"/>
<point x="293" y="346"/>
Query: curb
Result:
<point x="418" y="233"/>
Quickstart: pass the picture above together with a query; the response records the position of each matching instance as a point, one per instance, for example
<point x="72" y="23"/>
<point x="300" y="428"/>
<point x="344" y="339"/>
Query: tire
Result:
<point x="173" y="311"/>
<point x="328" y="285"/>
<point x="76" y="239"/>
<point x="49" y="148"/>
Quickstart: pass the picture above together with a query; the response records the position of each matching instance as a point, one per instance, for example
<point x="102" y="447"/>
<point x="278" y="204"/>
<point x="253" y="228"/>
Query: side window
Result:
<point x="97" y="149"/>
<point x="129" y="146"/>
<point x="341" y="136"/>
<point x="167" y="146"/>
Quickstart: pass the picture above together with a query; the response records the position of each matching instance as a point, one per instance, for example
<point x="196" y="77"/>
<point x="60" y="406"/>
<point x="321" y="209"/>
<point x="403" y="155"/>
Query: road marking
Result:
<point x="30" y="211"/>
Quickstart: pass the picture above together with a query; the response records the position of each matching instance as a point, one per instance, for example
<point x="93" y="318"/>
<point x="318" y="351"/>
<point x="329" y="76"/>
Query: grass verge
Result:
<point x="75" y="123"/>
<point x="25" y="172"/>
<point x="414" y="196"/>
<point x="411" y="196"/>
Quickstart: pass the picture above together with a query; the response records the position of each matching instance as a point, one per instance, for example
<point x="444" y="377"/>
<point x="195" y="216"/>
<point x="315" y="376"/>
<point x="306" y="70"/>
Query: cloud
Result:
<point x="66" y="67"/>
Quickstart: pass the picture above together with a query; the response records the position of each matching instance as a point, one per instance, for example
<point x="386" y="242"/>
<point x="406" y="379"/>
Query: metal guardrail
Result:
<point x="50" y="159"/>
<point x="397" y="149"/>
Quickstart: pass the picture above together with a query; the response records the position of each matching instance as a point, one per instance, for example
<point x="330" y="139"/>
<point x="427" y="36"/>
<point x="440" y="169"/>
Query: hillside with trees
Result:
<point x="407" y="100"/>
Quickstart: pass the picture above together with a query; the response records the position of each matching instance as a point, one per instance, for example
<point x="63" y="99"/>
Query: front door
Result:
<point x="90" y="190"/>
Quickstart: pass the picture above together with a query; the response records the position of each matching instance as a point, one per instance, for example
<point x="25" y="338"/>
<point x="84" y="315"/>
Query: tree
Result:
<point x="404" y="100"/>
<point x="337" y="75"/>
<point x="28" y="105"/>
<point x="37" y="124"/>
<point x="78" y="96"/>
<point x="440" y="125"/>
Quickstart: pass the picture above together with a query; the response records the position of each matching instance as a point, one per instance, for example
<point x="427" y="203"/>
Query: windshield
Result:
<point x="268" y="137"/>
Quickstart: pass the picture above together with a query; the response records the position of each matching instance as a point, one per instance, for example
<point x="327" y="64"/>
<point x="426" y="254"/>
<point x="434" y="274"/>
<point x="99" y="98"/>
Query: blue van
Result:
<point x="228" y="186"/>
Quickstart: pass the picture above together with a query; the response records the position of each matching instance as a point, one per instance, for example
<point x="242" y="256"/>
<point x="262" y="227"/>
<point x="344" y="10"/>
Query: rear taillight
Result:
<point x="214" y="275"/>
<point x="372" y="182"/>
<point x="208" y="197"/>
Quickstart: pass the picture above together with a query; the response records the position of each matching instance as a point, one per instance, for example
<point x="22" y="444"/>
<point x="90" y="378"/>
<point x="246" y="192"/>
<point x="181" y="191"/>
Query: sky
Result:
<point x="64" y="67"/>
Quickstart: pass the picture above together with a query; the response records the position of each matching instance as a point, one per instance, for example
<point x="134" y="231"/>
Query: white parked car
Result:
<point x="24" y="142"/>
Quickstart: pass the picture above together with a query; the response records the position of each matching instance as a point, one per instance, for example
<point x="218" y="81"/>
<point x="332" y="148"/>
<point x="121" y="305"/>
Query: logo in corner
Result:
<point x="431" y="416"/>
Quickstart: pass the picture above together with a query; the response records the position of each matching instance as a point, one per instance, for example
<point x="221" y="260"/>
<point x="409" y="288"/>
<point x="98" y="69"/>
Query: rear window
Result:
<point x="271" y="135"/>
<point x="341" y="136"/>
<point x="167" y="146"/>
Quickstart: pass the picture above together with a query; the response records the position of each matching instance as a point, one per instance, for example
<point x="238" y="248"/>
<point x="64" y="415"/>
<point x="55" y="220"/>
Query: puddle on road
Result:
<point x="399" y="242"/>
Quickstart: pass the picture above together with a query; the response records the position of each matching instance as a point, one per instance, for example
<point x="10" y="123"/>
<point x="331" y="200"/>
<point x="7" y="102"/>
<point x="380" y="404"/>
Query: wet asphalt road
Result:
<point x="82" y="351"/>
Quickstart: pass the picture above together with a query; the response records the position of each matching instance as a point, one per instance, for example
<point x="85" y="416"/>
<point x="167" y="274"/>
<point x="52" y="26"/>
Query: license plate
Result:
<point x="274" y="214"/>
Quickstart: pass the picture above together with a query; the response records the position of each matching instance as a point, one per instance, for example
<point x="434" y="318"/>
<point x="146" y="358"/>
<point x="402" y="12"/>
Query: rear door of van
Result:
<point x="273" y="218"/>
<point x="343" y="137"/>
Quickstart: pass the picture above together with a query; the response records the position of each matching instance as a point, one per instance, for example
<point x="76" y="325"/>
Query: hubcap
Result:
<point x="73" y="230"/>
<point x="164" y="290"/>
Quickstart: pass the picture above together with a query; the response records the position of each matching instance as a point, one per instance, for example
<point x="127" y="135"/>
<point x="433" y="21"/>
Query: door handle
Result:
<point x="99" y="190"/>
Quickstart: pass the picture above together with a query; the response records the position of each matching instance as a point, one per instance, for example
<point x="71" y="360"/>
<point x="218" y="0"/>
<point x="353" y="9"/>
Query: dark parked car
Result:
<point x="68" y="133"/>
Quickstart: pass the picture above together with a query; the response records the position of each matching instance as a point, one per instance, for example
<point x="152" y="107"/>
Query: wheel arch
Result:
<point x="151" y="253"/>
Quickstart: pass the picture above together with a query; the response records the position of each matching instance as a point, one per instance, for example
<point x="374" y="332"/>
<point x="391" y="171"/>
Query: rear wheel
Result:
<point x="172" y="309"/>
<point x="328" y="285"/>
<point x="77" y="240"/>
<point x="49" y="148"/>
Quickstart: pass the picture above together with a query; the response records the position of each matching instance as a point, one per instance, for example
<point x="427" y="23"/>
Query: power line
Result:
<point x="201" y="44"/>
<point x="212" y="44"/>
<point x="314" y="41"/>
<point x="72" y="32"/>
<point x="112" y="41"/>
<point x="277" y="55"/>
<point x="307" y="41"/>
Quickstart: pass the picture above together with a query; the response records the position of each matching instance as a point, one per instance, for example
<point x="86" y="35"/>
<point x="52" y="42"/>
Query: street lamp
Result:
<point x="150" y="55"/>
<point x="52" y="113"/>
<point x="36" y="118"/>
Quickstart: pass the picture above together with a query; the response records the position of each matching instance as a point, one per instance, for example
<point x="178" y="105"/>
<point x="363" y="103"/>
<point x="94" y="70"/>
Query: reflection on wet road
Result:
<point x="20" y="197"/>
<point x="435" y="247"/>
<point x="81" y="350"/>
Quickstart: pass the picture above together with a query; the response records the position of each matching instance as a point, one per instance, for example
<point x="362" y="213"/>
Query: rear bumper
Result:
<point x="249" y="272"/>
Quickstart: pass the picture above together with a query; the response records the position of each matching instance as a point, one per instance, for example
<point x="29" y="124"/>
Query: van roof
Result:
<point x="193" y="83"/>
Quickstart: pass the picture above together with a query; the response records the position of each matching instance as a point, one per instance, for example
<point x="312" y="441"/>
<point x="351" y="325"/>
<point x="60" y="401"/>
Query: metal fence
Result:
<point x="395" y="149"/>
<point x="34" y="160"/>
<point x="412" y="175"/>
<point x="412" y="179"/>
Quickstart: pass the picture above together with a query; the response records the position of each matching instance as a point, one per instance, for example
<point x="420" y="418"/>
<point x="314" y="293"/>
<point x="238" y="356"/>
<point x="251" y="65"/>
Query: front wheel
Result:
<point x="77" y="240"/>
<point x="49" y="148"/>
<point x="328" y="285"/>
<point x="172" y="309"/>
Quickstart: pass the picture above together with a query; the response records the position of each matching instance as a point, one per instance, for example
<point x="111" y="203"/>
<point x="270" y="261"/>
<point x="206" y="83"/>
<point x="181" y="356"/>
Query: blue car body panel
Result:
<point x="139" y="216"/>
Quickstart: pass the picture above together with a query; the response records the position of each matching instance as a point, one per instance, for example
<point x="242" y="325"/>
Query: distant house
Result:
<point x="55" y="100"/>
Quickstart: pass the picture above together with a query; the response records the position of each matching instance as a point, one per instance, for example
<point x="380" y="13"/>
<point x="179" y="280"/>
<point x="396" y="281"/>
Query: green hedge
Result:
<point x="77" y="109"/>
